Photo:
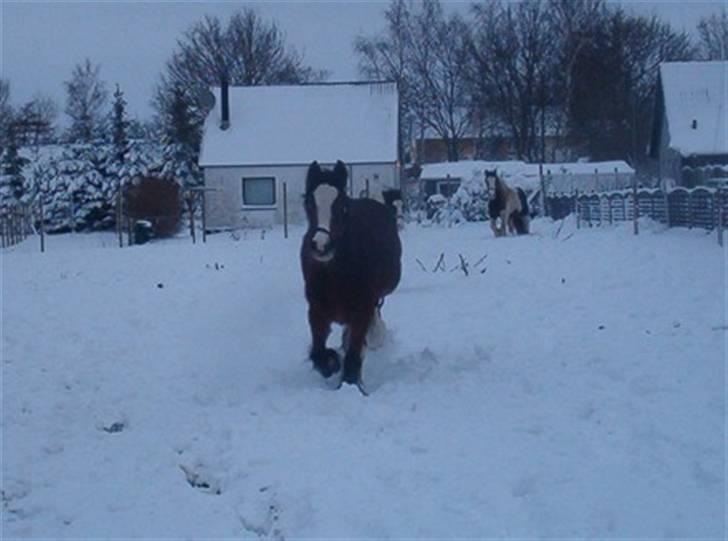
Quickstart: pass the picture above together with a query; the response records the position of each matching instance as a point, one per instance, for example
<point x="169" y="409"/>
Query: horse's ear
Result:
<point x="340" y="175"/>
<point x="313" y="178"/>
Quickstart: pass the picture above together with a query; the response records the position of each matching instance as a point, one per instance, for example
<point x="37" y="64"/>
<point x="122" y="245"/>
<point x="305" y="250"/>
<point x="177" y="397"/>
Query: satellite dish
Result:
<point x="207" y="100"/>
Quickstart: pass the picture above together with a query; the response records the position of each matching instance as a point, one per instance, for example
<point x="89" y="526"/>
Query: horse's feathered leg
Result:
<point x="325" y="360"/>
<point x="353" y="357"/>
<point x="377" y="332"/>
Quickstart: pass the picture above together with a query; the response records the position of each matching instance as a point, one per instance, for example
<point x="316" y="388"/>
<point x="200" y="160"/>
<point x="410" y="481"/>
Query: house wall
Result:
<point x="225" y="210"/>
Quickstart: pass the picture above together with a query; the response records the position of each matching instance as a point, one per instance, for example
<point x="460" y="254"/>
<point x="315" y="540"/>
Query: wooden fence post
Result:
<point x="635" y="207"/>
<point x="544" y="212"/>
<point x="191" y="210"/>
<point x="42" y="226"/>
<point x="666" y="197"/>
<point x="609" y="205"/>
<point x="119" y="217"/>
<point x="14" y="225"/>
<point x="204" y="216"/>
<point x="129" y="236"/>
<point x="719" y="196"/>
<point x="285" y="210"/>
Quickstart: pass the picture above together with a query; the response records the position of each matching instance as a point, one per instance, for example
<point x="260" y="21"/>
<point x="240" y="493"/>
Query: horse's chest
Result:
<point x="334" y="293"/>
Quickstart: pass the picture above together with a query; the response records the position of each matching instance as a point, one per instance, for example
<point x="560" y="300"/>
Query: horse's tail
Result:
<point x="524" y="201"/>
<point x="521" y="219"/>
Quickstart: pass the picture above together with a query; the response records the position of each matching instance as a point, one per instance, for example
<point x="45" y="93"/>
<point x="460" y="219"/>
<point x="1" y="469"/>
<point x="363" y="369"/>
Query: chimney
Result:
<point x="224" y="103"/>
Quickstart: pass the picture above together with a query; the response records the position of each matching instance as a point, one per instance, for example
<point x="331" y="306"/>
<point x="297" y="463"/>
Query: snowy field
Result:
<point x="576" y="388"/>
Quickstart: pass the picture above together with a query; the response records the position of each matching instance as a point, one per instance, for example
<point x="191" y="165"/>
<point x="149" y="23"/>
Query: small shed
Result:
<point x="257" y="138"/>
<point x="690" y="128"/>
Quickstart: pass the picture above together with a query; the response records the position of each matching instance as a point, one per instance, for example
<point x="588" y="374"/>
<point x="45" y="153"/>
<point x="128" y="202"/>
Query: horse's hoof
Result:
<point x="359" y="385"/>
<point x="329" y="365"/>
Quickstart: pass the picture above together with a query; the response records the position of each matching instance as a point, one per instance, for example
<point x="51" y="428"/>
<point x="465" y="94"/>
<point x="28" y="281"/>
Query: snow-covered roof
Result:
<point x="465" y="168"/>
<point x="695" y="105"/>
<point x="278" y="125"/>
<point x="588" y="168"/>
<point x="520" y="173"/>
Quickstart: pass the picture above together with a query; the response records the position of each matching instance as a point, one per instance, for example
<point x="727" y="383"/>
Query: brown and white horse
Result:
<point x="351" y="259"/>
<point x="507" y="205"/>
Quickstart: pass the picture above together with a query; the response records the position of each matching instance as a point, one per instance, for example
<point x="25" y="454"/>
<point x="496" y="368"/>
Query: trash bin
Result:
<point x="142" y="231"/>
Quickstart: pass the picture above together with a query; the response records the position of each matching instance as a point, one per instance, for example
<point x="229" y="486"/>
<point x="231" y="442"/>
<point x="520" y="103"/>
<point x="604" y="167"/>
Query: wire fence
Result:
<point x="16" y="224"/>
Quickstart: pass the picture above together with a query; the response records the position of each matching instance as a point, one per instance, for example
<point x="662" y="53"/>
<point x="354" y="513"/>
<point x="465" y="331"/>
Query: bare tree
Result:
<point x="245" y="51"/>
<point x="424" y="51"/>
<point x="439" y="56"/>
<point x="385" y="57"/>
<point x="574" y="23"/>
<point x="6" y="112"/>
<point x="513" y="54"/>
<point x="615" y="79"/>
<point x="35" y="121"/>
<point x="713" y="36"/>
<point x="85" y="102"/>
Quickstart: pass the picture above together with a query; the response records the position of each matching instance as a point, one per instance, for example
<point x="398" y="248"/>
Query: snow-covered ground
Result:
<point x="576" y="388"/>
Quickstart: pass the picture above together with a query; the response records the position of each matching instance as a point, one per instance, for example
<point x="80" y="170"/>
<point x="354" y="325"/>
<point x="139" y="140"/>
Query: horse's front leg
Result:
<point x="503" y="230"/>
<point x="325" y="360"/>
<point x="353" y="357"/>
<point x="494" y="226"/>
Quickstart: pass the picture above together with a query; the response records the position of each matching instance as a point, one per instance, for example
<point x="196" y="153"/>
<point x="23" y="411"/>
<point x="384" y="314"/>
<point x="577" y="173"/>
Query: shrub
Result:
<point x="156" y="200"/>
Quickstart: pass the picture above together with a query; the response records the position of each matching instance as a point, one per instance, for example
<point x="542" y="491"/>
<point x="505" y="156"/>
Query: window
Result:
<point x="448" y="187"/>
<point x="259" y="191"/>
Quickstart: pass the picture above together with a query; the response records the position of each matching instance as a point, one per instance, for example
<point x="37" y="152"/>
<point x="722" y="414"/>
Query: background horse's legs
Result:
<point x="325" y="360"/>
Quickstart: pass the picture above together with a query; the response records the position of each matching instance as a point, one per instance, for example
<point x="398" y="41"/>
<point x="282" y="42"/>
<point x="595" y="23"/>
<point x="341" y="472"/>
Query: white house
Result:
<point x="690" y="125"/>
<point x="256" y="139"/>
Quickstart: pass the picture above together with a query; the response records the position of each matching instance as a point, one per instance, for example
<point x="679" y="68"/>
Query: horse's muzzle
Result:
<point x="322" y="248"/>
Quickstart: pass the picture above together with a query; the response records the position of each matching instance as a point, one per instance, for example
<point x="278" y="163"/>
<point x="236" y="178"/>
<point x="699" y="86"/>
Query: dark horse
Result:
<point x="510" y="205"/>
<point x="393" y="199"/>
<point x="350" y="258"/>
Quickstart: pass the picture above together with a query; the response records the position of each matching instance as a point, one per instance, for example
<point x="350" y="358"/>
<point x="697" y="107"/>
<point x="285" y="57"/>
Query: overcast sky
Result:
<point x="42" y="41"/>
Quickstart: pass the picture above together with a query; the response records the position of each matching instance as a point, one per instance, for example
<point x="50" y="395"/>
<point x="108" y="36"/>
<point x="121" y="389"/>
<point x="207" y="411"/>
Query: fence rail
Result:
<point x="16" y="224"/>
<point x="705" y="208"/>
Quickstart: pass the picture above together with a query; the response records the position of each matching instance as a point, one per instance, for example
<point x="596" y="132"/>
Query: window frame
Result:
<point x="256" y="206"/>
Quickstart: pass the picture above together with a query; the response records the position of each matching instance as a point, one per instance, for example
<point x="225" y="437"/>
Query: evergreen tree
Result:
<point x="180" y="141"/>
<point x="56" y="194"/>
<point x="119" y="126"/>
<point x="12" y="181"/>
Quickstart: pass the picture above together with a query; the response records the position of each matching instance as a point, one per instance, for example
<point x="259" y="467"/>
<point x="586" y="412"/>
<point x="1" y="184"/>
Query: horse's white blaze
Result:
<point x="324" y="196"/>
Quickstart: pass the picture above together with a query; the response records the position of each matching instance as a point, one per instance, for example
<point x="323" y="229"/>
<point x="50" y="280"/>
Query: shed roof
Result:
<point x="279" y="125"/>
<point x="695" y="95"/>
<point x="523" y="174"/>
